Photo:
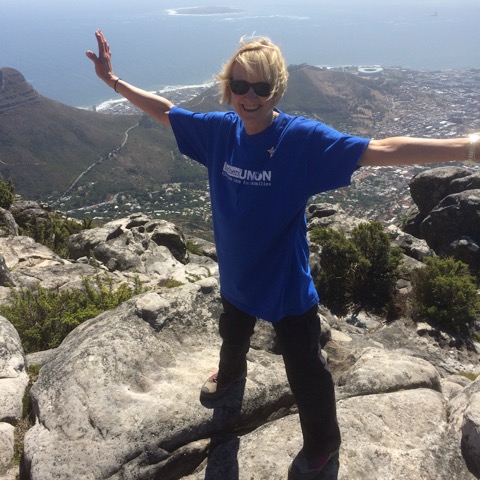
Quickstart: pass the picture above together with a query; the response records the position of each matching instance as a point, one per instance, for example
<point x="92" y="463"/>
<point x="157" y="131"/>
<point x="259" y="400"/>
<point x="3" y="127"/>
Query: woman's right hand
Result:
<point x="103" y="61"/>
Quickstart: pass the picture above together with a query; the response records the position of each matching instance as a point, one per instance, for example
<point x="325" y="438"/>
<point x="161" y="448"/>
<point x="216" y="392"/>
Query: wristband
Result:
<point x="115" y="84"/>
<point x="472" y="150"/>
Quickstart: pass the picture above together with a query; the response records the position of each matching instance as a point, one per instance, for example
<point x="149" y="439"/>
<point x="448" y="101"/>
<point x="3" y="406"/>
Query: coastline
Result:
<point x="176" y="94"/>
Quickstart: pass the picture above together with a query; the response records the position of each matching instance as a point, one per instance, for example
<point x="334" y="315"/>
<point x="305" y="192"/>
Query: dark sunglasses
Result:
<point x="241" y="87"/>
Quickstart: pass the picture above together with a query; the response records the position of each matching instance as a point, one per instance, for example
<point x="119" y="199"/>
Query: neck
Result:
<point x="257" y="127"/>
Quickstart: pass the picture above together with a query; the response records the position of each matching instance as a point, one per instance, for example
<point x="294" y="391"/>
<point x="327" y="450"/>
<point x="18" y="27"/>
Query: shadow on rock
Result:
<point x="223" y="457"/>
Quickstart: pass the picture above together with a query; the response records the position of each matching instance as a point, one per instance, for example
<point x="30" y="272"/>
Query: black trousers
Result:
<point x="311" y="383"/>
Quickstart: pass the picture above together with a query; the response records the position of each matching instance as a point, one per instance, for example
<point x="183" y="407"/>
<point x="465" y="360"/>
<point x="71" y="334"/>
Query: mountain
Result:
<point x="46" y="146"/>
<point x="336" y="97"/>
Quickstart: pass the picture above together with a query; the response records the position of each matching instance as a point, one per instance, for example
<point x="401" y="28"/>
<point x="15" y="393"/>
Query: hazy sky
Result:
<point x="46" y="39"/>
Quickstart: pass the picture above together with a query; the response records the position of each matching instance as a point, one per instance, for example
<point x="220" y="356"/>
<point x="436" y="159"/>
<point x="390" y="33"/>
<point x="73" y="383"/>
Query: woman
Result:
<point x="263" y="166"/>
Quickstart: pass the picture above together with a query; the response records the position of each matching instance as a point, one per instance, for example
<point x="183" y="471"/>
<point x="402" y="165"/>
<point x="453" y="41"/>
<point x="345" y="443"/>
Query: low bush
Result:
<point x="43" y="318"/>
<point x="360" y="270"/>
<point x="445" y="293"/>
<point x="7" y="193"/>
<point x="54" y="231"/>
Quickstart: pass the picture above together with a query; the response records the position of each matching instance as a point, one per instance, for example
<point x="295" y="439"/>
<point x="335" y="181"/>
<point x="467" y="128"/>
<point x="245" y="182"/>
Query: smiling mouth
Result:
<point x="251" y="109"/>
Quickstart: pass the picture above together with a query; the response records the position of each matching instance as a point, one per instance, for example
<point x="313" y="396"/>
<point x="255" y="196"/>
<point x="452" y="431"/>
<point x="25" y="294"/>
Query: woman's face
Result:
<point x="255" y="111"/>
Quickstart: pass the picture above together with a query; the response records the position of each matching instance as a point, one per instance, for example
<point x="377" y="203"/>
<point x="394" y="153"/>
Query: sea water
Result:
<point x="155" y="43"/>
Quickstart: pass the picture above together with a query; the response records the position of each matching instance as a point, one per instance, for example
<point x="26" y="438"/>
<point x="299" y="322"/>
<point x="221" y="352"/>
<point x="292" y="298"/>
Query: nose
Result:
<point x="251" y="93"/>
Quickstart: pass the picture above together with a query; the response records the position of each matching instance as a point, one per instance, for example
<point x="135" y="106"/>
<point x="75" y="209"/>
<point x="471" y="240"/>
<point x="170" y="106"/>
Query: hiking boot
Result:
<point x="211" y="389"/>
<point x="303" y="468"/>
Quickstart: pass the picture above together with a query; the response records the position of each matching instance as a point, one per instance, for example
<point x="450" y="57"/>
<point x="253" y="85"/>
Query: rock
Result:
<point x="128" y="248"/>
<point x="143" y="405"/>
<point x="399" y="372"/>
<point x="27" y="212"/>
<point x="119" y="399"/>
<point x="6" y="279"/>
<point x="387" y="436"/>
<point x="30" y="264"/>
<point x="471" y="434"/>
<point x="13" y="382"/>
<point x="8" y="226"/>
<point x="448" y="200"/>
<point x="452" y="227"/>
<point x="13" y="375"/>
<point x="7" y="470"/>
<point x="330" y="216"/>
<point x="410" y="245"/>
<point x="117" y="387"/>
<point x="430" y="186"/>
<point x="155" y="250"/>
<point x="469" y="182"/>
<point x="465" y="423"/>
<point x="363" y="320"/>
<point x="129" y="237"/>
<point x="203" y="247"/>
<point x="39" y="358"/>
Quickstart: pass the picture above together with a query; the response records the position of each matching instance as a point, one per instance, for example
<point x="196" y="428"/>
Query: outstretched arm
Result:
<point x="154" y="105"/>
<point x="408" y="151"/>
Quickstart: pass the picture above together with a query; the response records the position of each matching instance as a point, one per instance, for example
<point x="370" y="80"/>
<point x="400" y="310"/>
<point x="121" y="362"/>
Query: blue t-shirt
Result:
<point x="259" y="188"/>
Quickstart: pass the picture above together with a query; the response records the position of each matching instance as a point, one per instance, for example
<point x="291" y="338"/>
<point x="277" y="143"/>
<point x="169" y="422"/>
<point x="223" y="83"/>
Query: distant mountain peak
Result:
<point x="14" y="90"/>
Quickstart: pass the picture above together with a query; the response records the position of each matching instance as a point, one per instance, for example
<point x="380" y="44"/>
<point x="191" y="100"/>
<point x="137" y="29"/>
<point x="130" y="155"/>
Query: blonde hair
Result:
<point x="260" y="56"/>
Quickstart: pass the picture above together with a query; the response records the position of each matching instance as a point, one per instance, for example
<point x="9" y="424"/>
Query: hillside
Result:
<point x="76" y="158"/>
<point x="338" y="98"/>
<point x="46" y="146"/>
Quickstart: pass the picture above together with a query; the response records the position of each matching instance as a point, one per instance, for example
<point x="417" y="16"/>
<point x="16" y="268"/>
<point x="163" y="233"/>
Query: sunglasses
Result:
<point x="241" y="87"/>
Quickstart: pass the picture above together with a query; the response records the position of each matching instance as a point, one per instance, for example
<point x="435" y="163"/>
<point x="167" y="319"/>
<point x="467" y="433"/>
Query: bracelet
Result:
<point x="115" y="84"/>
<point x="472" y="150"/>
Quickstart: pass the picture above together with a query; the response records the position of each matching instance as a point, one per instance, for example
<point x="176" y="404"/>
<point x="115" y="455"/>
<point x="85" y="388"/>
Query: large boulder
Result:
<point x="119" y="400"/>
<point x="453" y="227"/>
<point x="122" y="391"/>
<point x="29" y="212"/>
<point x="432" y="185"/>
<point x="8" y="226"/>
<point x="330" y="216"/>
<point x="154" y="251"/>
<point x="448" y="200"/>
<point x="13" y="382"/>
<point x="125" y="238"/>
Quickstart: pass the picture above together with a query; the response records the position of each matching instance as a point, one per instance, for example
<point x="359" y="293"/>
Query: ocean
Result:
<point x="158" y="43"/>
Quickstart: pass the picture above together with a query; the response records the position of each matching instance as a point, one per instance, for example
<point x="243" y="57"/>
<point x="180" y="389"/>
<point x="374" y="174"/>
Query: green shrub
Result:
<point x="54" y="231"/>
<point x="376" y="272"/>
<point x="337" y="260"/>
<point x="43" y="318"/>
<point x="445" y="293"/>
<point x="194" y="248"/>
<point x="7" y="195"/>
<point x="359" y="271"/>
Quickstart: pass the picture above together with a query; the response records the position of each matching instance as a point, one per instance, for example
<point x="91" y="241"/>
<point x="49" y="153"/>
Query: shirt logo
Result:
<point x="247" y="177"/>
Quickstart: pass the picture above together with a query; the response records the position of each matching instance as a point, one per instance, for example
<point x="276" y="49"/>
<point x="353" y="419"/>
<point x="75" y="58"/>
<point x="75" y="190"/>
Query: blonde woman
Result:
<point x="263" y="166"/>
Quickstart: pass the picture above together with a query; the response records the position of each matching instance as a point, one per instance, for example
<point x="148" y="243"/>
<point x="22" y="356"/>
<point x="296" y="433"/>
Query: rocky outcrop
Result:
<point x="154" y="251"/>
<point x="14" y="90"/>
<point x="13" y="383"/>
<point x="131" y="250"/>
<point x="325" y="215"/>
<point x="448" y="200"/>
<point x="429" y="187"/>
<point x="119" y="398"/>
